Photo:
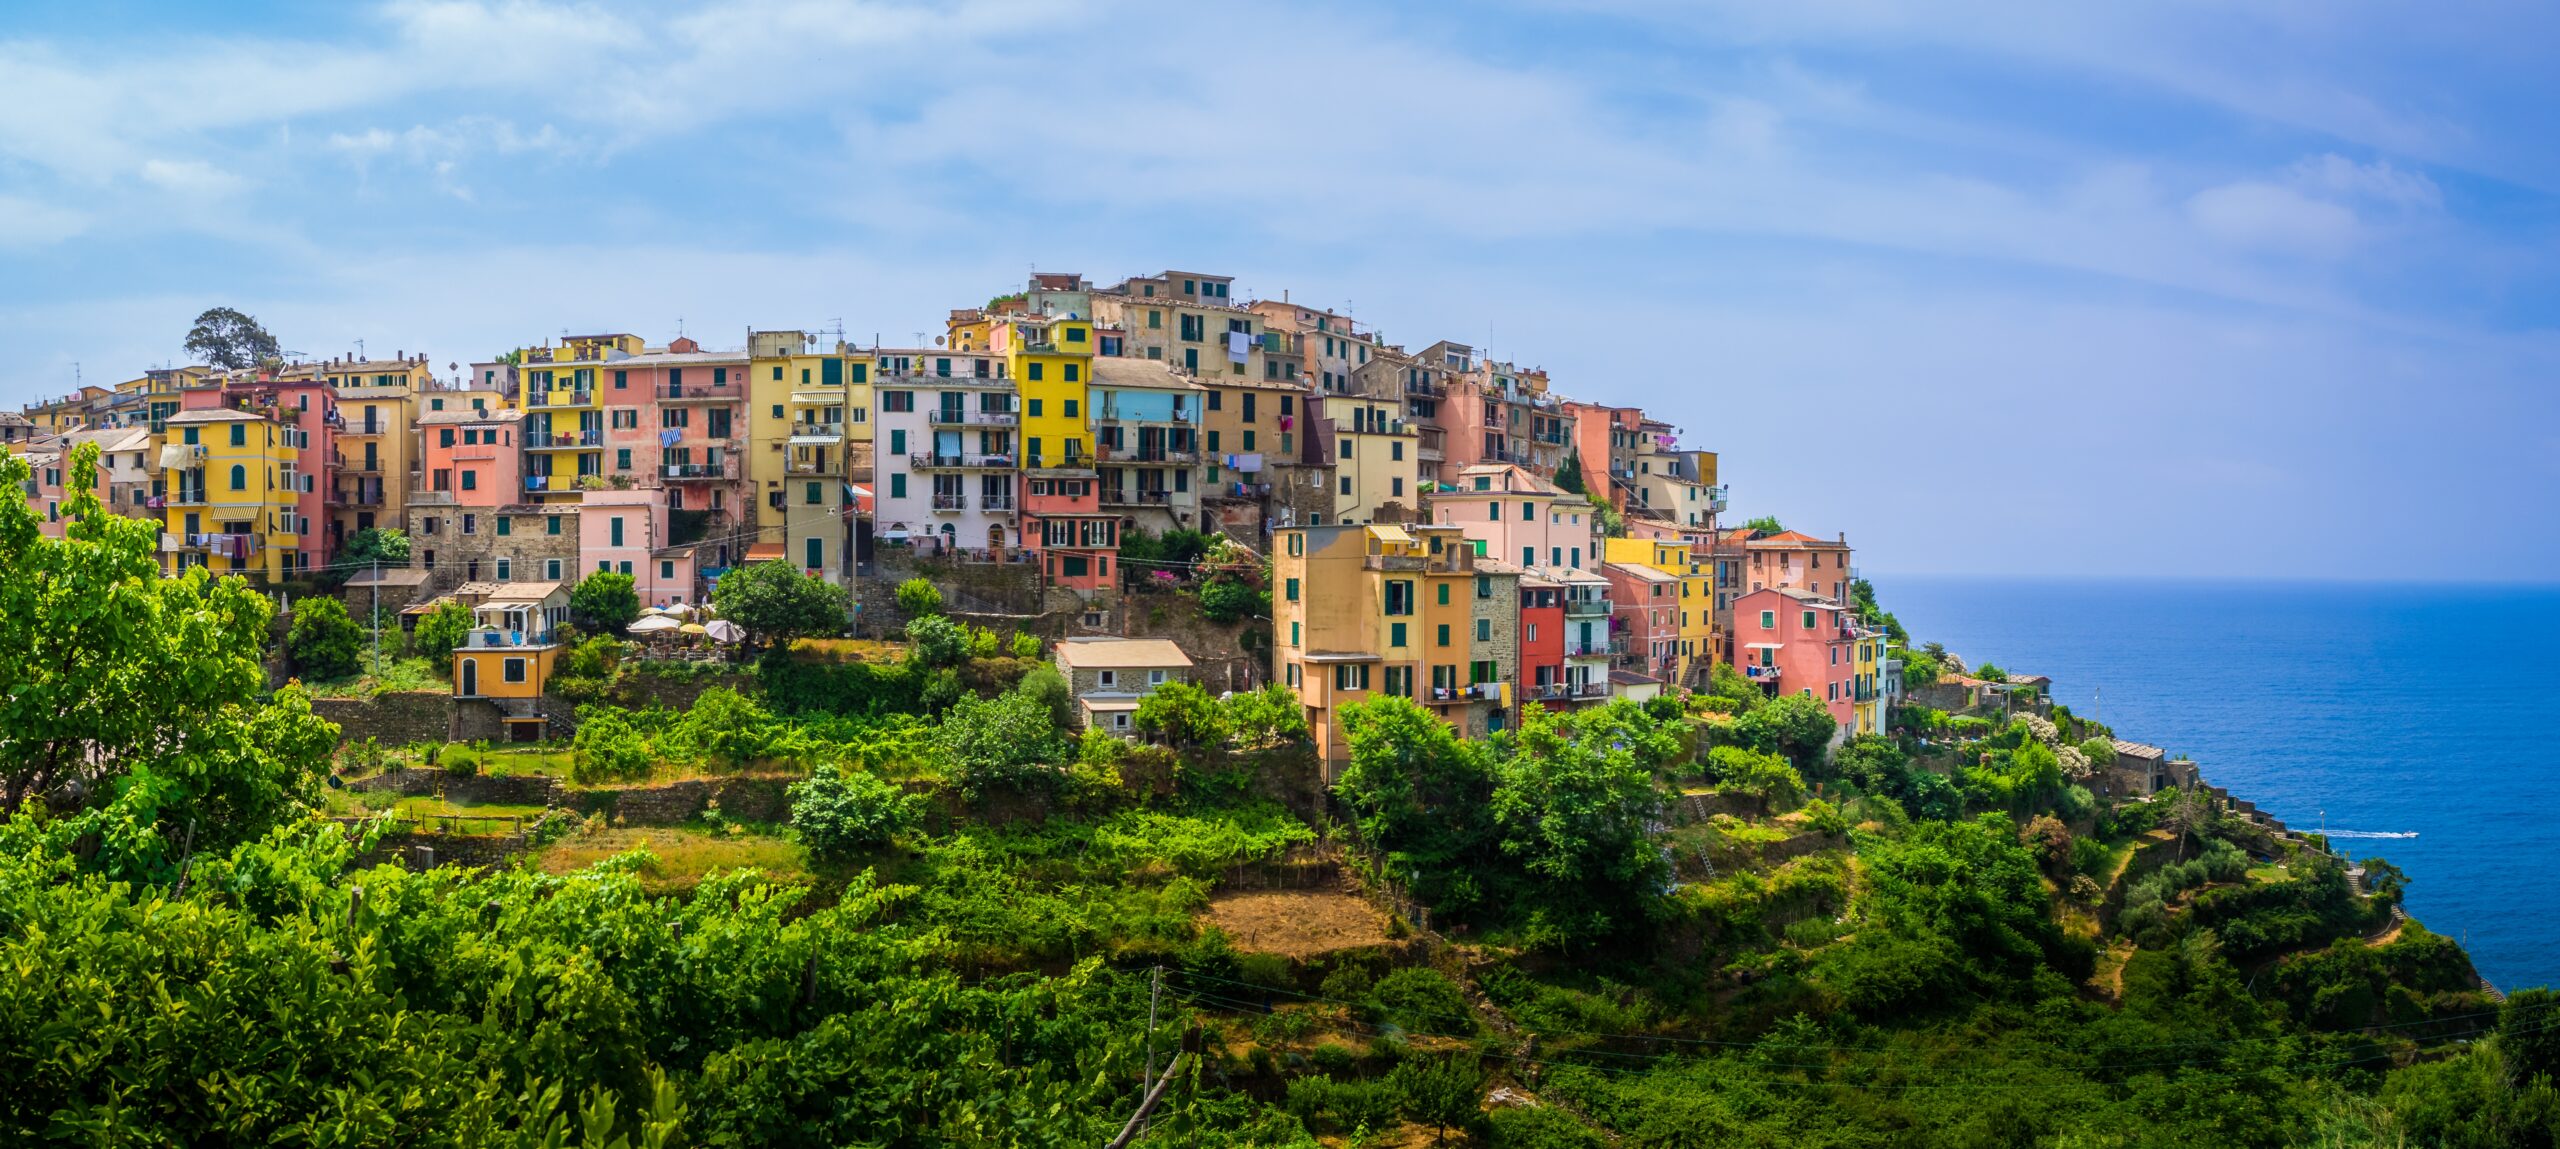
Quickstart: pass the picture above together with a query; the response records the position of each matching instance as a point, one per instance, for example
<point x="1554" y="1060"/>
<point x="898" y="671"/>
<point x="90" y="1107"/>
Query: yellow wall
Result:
<point x="262" y="502"/>
<point x="1697" y="593"/>
<point x="1067" y="350"/>
<point x="492" y="677"/>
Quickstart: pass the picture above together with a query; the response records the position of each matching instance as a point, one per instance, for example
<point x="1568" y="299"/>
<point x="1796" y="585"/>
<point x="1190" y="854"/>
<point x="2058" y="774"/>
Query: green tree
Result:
<point x="777" y="604"/>
<point x="227" y="337"/>
<point x="1006" y="740"/>
<point x="2527" y="1037"/>
<point x="1755" y="772"/>
<point x="1569" y="474"/>
<point x="918" y="597"/>
<point x="1265" y="718"/>
<point x="840" y="813"/>
<point x="1571" y="801"/>
<point x="605" y="601"/>
<point x="1444" y="1093"/>
<point x="1796" y="725"/>
<point x="1729" y="684"/>
<point x="1050" y="687"/>
<point x="1419" y="795"/>
<point x="935" y="641"/>
<point x="727" y="727"/>
<point x="386" y="545"/>
<point x="1226" y="600"/>
<point x="132" y="701"/>
<point x="1764" y="525"/>
<point x="1183" y="716"/>
<point x="441" y="631"/>
<point x="1919" y="670"/>
<point x="323" y="642"/>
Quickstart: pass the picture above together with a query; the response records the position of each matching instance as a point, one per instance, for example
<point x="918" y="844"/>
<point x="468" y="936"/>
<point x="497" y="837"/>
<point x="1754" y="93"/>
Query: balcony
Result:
<point x="1549" y="692"/>
<point x="700" y="393"/>
<point x="950" y="503"/>
<point x="1586" y="648"/>
<point x="812" y="430"/>
<point x="551" y="482"/>
<point x="809" y="467"/>
<point x="945" y="417"/>
<point x="187" y="497"/>
<point x="709" y="471"/>
<point x="560" y="440"/>
<point x="1715" y="497"/>
<point x="1396" y="563"/>
<point x="1137" y="498"/>
<point x="1590" y="690"/>
<point x="1157" y="455"/>
<point x="446" y="499"/>
<point x="494" y="638"/>
<point x="998" y="503"/>
<point x="472" y="453"/>
<point x="1059" y="463"/>
<point x="1479" y="692"/>
<point x="1586" y="607"/>
<point x="361" y="426"/>
<point x="1761" y="673"/>
<point x="369" y="495"/>
<point x="566" y="397"/>
<point x="1115" y="417"/>
<point x="961" y="462"/>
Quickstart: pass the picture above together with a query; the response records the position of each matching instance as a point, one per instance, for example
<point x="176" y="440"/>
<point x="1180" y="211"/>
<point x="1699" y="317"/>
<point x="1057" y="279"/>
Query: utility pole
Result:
<point x="1155" y="989"/>
<point x="377" y="618"/>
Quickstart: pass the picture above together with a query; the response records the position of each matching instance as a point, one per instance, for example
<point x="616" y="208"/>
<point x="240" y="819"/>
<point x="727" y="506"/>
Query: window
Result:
<point x="1808" y="620"/>
<point x="506" y="526"/>
<point x="505" y="566"/>
<point x="1351" y="676"/>
<point x="814" y="496"/>
<point x="1399" y="596"/>
<point x="1031" y="371"/>
<point x="1395" y="487"/>
<point x="470" y="479"/>
<point x="551" y="569"/>
<point x="1033" y="405"/>
<point x="815" y="554"/>
<point x="1110" y="678"/>
<point x="1293" y="638"/>
<point x="897" y="485"/>
<point x="1444" y="633"/>
<point x="239" y="476"/>
<point x="239" y="434"/>
<point x="614" y="527"/>
<point x="470" y="524"/>
<point x="1071" y="404"/>
<point x="1346" y="484"/>
<point x="1768" y="620"/>
<point x="1293" y="590"/>
<point x="552" y="527"/>
<point x="1395" y="634"/>
<point x="1070" y="375"/>
<point x="1484" y="632"/>
<point x="1444" y="594"/>
<point x="1155" y="678"/>
<point x="666" y="568"/>
<point x="622" y="459"/>
<point x="515" y="670"/>
<point x="1248" y="440"/>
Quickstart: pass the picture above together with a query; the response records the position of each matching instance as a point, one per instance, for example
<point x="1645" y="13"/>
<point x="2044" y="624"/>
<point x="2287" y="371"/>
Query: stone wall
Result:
<point x="1219" y="660"/>
<point x="395" y="718"/>
<point x="448" y="554"/>
<point x="741" y="799"/>
<point x="469" y="789"/>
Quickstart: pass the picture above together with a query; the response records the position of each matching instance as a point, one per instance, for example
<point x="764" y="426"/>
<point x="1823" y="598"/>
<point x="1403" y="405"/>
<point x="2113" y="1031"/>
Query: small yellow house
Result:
<point x="508" y="657"/>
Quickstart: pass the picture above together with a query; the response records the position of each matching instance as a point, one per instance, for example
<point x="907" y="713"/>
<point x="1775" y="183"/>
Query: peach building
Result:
<point x="1520" y="518"/>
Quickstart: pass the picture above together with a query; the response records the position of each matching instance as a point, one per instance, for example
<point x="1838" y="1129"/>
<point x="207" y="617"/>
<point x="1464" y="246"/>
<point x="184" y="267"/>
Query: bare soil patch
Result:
<point x="1298" y="923"/>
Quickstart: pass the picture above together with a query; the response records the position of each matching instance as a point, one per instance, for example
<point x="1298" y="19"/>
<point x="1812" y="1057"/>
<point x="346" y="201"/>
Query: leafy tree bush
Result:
<point x="441" y="631"/>
<point x="1025" y="644"/>
<point x="323" y="642"/>
<point x="777" y="604"/>
<point x="918" y="597"/>
<point x="610" y="748"/>
<point x="840" y="813"/>
<point x="1572" y="802"/>
<point x="1444" y="1093"/>
<point x="1183" y="715"/>
<point x="1228" y="600"/>
<point x="1795" y="725"/>
<point x="1755" y="772"/>
<point x="1763" y="524"/>
<point x="386" y="545"/>
<point x="1043" y="682"/>
<point x="1265" y="718"/>
<point x="605" y="601"/>
<point x="1421" y="999"/>
<point x="1727" y="683"/>
<point x="934" y="641"/>
<point x="1000" y="742"/>
<point x="229" y="337"/>
<point x="725" y="727"/>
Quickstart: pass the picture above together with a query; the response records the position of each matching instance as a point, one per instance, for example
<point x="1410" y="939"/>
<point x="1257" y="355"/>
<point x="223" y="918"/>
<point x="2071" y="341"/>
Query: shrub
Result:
<point x="1754" y="772"/>
<point x="841" y="813"/>
<point x="1182" y="715"/>
<point x="1026" y="644"/>
<point x="443" y="630"/>
<point x="324" y="641"/>
<point x="919" y="598"/>
<point x="1043" y="682"/>
<point x="1227" y="600"/>
<point x="1441" y="1093"/>
<point x="726" y="727"/>
<point x="609" y="747"/>
<point x="934" y="641"/>
<point x="1420" y="999"/>
<point x="605" y="601"/>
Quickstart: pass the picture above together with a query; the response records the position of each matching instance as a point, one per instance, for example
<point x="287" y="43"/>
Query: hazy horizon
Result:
<point x="2259" y="290"/>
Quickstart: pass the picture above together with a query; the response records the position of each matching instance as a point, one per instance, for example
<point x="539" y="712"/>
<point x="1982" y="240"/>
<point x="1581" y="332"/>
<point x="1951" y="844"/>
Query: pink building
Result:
<point x="1062" y="521"/>
<point x="677" y="418"/>
<point x="1644" y="632"/>
<point x="625" y="531"/>
<point x="1519" y="517"/>
<point x="469" y="458"/>
<point x="1795" y="641"/>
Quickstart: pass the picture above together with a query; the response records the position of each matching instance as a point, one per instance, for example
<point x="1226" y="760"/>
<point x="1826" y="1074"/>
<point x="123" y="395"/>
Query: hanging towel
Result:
<point x="1238" y="345"/>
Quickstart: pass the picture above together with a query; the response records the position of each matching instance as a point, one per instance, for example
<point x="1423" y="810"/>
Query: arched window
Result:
<point x="239" y="477"/>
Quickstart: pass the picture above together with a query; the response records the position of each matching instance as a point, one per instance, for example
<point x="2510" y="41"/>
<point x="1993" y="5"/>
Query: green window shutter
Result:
<point x="1444" y="634"/>
<point x="1396" y="635"/>
<point x="1293" y="590"/>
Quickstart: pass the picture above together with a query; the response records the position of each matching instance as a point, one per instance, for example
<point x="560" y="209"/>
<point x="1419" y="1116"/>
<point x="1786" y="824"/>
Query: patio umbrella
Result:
<point x="653" y="624"/>
<point x="693" y="628"/>
<point x="725" y="631"/>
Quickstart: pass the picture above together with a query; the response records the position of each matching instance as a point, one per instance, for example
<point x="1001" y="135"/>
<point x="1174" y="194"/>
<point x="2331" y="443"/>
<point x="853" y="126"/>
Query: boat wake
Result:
<point x="2373" y="833"/>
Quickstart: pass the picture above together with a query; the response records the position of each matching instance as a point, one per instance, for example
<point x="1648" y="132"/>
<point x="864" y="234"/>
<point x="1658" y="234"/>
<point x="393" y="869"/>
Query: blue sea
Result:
<point x="2379" y="709"/>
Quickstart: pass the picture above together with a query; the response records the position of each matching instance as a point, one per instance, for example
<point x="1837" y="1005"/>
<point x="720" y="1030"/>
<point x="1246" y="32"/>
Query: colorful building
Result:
<point x="1146" y="443"/>
<point x="946" y="475"/>
<point x="1793" y="641"/>
<point x="1051" y="362"/>
<point x="1185" y="320"/>
<point x="1520" y="517"/>
<point x="625" y="531"/>
<point x="1644" y="629"/>
<point x="1378" y="609"/>
<point x="805" y="405"/>
<point x="233" y="492"/>
<point x="508" y="657"/>
<point x="566" y="414"/>
<point x="1694" y="631"/>
<point x="1747" y="560"/>
<point x="1377" y="461"/>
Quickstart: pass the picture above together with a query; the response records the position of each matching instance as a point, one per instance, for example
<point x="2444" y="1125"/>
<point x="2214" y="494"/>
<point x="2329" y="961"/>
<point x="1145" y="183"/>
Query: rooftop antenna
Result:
<point x="679" y="327"/>
<point x="359" y="351"/>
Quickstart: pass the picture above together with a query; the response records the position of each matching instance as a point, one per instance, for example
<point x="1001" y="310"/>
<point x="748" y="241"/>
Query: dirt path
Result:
<point x="1298" y="923"/>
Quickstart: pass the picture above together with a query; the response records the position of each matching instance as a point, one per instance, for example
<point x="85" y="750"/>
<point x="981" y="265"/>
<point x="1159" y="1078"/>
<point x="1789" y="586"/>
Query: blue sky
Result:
<point x="2209" y="289"/>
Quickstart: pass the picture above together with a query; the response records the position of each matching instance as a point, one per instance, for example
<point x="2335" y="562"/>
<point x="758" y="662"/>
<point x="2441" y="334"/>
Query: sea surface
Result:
<point x="2373" y="708"/>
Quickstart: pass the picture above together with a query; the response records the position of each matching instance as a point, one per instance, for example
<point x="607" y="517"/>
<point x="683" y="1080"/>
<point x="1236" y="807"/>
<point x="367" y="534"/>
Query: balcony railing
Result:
<point x="1113" y="416"/>
<point x="1138" y="498"/>
<point x="943" y="502"/>
<point x="560" y="398"/>
<point x="1157" y="455"/>
<point x="564" y="439"/>
<point x="998" y="503"/>
<point x="1591" y="690"/>
<point x="1059" y="462"/>
<point x="817" y="430"/>
<point x="1586" y="607"/>
<point x="999" y="462"/>
<point x="495" y="638"/>
<point x="187" y="497"/>
<point x="699" y="392"/>
<point x="808" y="467"/>
<point x="1549" y="691"/>
<point x="1761" y="673"/>
<point x="1586" y="648"/>
<point x="944" y="417"/>
<point x="1478" y="692"/>
<point x="698" y="471"/>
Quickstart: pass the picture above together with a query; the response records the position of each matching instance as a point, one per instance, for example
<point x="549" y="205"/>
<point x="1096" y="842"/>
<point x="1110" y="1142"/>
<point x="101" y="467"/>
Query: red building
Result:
<point x="1795" y="641"/>
<point x="1541" y="640"/>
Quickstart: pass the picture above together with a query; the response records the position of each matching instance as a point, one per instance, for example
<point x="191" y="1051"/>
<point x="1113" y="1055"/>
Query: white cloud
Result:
<point x="2272" y="217"/>
<point x="189" y="177"/>
<point x="27" y="223"/>
<point x="2378" y="181"/>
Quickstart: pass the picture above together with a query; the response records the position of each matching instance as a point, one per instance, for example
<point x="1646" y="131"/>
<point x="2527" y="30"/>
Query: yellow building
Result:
<point x="507" y="660"/>
<point x="1377" y="459"/>
<point x="1868" y="690"/>
<point x="230" y="487"/>
<point x="564" y="413"/>
<point x="1051" y="361"/>
<point x="1697" y="596"/>
<point x="1379" y="609"/>
<point x="808" y="418"/>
